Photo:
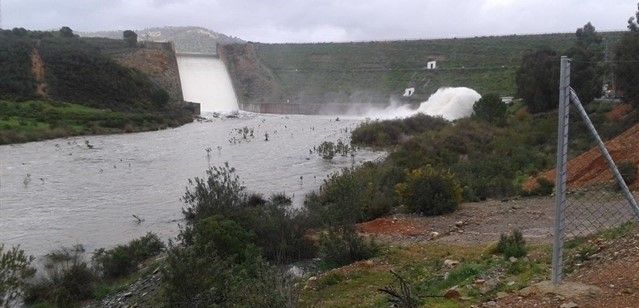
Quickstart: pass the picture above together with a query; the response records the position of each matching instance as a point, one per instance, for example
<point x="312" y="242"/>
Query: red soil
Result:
<point x="590" y="168"/>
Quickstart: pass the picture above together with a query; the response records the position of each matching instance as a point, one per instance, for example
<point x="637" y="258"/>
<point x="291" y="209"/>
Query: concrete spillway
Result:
<point x="205" y="80"/>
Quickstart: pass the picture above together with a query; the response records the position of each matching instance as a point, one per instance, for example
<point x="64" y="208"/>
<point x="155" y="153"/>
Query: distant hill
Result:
<point x="371" y="72"/>
<point x="186" y="39"/>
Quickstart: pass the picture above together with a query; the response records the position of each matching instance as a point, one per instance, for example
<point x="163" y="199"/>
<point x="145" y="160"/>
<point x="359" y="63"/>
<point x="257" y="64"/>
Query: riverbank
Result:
<point x="40" y="120"/>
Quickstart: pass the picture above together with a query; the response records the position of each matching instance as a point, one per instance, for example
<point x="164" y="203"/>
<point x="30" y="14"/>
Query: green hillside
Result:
<point x="373" y="71"/>
<point x="58" y="67"/>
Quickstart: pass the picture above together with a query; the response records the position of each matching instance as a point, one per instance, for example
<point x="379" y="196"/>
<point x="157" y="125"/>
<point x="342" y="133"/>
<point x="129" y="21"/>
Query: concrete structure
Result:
<point x="409" y="92"/>
<point x="431" y="65"/>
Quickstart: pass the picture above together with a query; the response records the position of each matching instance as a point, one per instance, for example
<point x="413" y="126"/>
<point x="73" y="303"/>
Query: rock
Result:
<point x="569" y="305"/>
<point x="501" y="295"/>
<point x="451" y="263"/>
<point x="480" y="281"/>
<point x="491" y="304"/>
<point x="512" y="259"/>
<point x="452" y="293"/>
<point x="127" y="294"/>
<point x="434" y="234"/>
<point x="510" y="283"/>
<point x="459" y="224"/>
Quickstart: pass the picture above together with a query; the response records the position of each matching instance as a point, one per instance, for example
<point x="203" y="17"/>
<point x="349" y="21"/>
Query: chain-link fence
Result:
<point x="594" y="205"/>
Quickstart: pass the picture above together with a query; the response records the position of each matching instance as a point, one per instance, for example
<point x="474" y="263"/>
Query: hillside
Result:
<point x="186" y="39"/>
<point x="55" y="84"/>
<point x="371" y="72"/>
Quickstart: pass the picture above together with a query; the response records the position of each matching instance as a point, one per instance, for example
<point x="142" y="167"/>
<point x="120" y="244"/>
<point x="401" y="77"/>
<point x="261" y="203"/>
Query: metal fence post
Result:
<point x="604" y="152"/>
<point x="560" y="181"/>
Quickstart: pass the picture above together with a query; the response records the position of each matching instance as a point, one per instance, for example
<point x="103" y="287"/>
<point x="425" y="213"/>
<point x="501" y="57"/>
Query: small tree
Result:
<point x="537" y="79"/>
<point x="586" y="71"/>
<point x="15" y="268"/>
<point x="490" y="108"/>
<point x="130" y="37"/>
<point x="627" y="57"/>
<point x="66" y="32"/>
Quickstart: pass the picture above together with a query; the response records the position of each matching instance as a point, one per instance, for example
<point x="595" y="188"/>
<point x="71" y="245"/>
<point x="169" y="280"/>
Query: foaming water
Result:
<point x="78" y="194"/>
<point x="205" y="80"/>
<point x="449" y="103"/>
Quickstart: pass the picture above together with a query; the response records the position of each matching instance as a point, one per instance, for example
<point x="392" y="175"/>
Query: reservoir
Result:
<point x="85" y="190"/>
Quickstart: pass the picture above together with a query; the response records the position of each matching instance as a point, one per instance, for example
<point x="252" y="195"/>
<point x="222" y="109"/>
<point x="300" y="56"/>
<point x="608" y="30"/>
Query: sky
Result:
<point x="324" y="20"/>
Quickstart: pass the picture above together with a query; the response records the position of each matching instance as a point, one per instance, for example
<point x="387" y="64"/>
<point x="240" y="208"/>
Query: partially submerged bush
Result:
<point x="68" y="279"/>
<point x="342" y="246"/>
<point x="15" y="269"/>
<point x="391" y="132"/>
<point x="429" y="191"/>
<point x="512" y="245"/>
<point x="124" y="259"/>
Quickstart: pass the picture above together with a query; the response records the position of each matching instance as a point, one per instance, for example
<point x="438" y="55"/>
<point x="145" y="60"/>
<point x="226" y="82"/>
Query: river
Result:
<point x="84" y="190"/>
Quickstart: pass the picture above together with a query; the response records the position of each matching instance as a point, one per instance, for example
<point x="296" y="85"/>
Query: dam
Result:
<point x="205" y="80"/>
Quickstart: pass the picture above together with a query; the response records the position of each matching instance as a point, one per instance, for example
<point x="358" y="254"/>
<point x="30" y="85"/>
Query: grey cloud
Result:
<point x="327" y="20"/>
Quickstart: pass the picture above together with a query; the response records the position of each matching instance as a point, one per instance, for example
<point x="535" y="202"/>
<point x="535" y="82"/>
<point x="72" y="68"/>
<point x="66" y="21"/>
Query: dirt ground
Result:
<point x="615" y="270"/>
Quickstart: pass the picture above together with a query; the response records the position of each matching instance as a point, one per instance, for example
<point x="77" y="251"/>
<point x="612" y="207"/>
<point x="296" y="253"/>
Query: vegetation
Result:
<point x="36" y="120"/>
<point x="365" y="72"/>
<point x="587" y="63"/>
<point x="392" y="132"/>
<point x="123" y="260"/>
<point x="627" y="58"/>
<point x="490" y="108"/>
<point x="512" y="245"/>
<point x="628" y="172"/>
<point x="130" y="37"/>
<point x="538" y="79"/>
<point x="430" y="192"/>
<point x="15" y="270"/>
<point x="342" y="246"/>
<point x="68" y="279"/>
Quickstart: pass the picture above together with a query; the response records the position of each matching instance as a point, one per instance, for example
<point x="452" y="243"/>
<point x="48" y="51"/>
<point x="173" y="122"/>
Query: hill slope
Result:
<point x="186" y="39"/>
<point x="372" y="71"/>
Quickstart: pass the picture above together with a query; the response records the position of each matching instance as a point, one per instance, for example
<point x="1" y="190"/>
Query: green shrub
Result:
<point x="15" y="269"/>
<point x="628" y="171"/>
<point x="342" y="246"/>
<point x="429" y="191"/>
<point x="355" y="195"/>
<point x="124" y="259"/>
<point x="544" y="188"/>
<point x="490" y="108"/>
<point x="512" y="245"/>
<point x="68" y="279"/>
<point x="391" y="132"/>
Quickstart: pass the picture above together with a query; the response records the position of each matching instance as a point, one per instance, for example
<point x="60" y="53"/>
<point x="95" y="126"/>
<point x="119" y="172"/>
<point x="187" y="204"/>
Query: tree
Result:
<point x="537" y="80"/>
<point x="627" y="68"/>
<point x="66" y="32"/>
<point x="490" y="108"/>
<point x="130" y="37"/>
<point x="15" y="268"/>
<point x="586" y="68"/>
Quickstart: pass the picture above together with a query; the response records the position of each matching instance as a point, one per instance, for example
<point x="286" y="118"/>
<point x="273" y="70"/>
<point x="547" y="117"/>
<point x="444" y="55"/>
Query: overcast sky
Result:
<point x="324" y="20"/>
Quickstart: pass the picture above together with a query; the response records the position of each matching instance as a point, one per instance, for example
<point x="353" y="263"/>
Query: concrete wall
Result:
<point x="156" y="60"/>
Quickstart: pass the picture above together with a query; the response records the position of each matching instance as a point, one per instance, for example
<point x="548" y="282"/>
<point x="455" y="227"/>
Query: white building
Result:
<point x="431" y="65"/>
<point x="409" y="92"/>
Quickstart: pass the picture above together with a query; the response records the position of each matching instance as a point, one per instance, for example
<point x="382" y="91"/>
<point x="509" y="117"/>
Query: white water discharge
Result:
<point x="449" y="103"/>
<point x="205" y="80"/>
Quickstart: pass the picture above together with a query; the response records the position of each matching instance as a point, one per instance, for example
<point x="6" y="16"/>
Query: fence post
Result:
<point x="560" y="179"/>
<point x="604" y="152"/>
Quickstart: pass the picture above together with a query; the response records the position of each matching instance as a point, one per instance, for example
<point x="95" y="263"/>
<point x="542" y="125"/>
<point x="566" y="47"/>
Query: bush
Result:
<point x="15" y="269"/>
<point x="355" y="195"/>
<point x="124" y="259"/>
<point x="490" y="108"/>
<point x="68" y="279"/>
<point x="628" y="172"/>
<point x="343" y="246"/>
<point x="512" y="245"/>
<point x="429" y="191"/>
<point x="197" y="275"/>
<point x="391" y="132"/>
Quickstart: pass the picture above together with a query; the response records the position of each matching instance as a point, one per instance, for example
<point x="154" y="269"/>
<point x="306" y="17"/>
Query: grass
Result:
<point x="344" y="72"/>
<point x="422" y="266"/>
<point x="38" y="120"/>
